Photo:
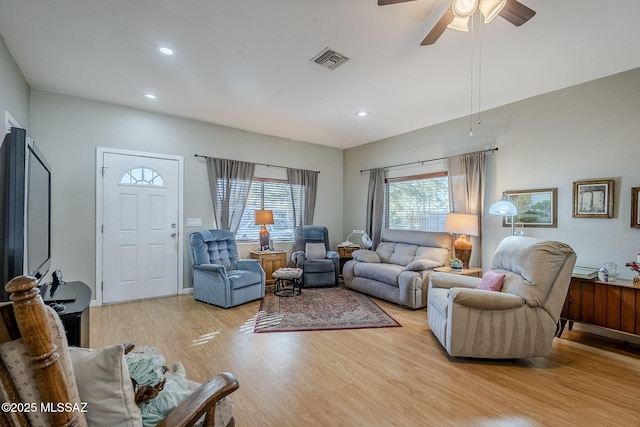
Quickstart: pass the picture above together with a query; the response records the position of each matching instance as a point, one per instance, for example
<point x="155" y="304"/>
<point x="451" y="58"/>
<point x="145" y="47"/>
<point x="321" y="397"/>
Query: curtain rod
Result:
<point x="490" y="150"/>
<point x="257" y="163"/>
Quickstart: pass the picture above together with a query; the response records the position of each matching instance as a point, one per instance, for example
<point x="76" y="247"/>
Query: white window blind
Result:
<point x="418" y="202"/>
<point x="270" y="194"/>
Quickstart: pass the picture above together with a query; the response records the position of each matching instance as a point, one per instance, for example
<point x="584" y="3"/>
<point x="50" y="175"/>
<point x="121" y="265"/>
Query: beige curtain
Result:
<point x="466" y="192"/>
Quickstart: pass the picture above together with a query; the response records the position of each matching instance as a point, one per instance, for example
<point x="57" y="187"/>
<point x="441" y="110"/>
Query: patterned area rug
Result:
<point x="319" y="309"/>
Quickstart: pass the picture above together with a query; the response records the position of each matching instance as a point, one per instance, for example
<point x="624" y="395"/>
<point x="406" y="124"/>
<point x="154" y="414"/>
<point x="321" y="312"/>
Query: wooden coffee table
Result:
<point x="287" y="282"/>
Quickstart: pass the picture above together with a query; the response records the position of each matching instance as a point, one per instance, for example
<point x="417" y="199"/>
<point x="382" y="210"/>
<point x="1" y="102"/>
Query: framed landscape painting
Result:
<point x="635" y="207"/>
<point x="536" y="208"/>
<point x="593" y="198"/>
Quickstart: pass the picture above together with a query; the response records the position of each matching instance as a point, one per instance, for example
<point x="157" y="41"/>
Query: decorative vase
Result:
<point x="613" y="270"/>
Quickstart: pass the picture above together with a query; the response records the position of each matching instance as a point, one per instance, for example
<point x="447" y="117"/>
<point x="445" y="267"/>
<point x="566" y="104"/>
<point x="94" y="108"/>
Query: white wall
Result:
<point x="589" y="131"/>
<point x="14" y="90"/>
<point x="67" y="130"/>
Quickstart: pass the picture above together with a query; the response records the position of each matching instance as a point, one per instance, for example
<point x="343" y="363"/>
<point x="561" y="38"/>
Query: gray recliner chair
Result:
<point x="220" y="277"/>
<point x="311" y="253"/>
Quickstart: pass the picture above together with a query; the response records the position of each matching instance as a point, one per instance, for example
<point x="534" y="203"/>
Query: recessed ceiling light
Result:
<point x="362" y="114"/>
<point x="166" y="50"/>
<point x="150" y="96"/>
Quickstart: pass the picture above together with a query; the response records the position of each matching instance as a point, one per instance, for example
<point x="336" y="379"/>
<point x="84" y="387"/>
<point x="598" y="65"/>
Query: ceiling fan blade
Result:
<point x="439" y="28"/>
<point x="516" y="13"/>
<point x="386" y="2"/>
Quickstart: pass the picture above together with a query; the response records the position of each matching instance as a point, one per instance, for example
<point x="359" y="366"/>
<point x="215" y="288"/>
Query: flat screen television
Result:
<point x="25" y="209"/>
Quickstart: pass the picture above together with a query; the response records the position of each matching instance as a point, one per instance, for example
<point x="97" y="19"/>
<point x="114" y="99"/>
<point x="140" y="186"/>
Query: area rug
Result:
<point x="317" y="309"/>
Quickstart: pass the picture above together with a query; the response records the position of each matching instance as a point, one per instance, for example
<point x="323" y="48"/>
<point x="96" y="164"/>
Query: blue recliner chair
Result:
<point x="311" y="253"/>
<point x="220" y="277"/>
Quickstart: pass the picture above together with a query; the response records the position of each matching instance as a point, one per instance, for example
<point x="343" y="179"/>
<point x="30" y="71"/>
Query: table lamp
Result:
<point x="264" y="217"/>
<point x="505" y="208"/>
<point x="366" y="240"/>
<point x="463" y="225"/>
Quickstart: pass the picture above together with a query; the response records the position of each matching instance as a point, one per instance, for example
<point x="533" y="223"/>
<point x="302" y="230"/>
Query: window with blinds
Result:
<point x="273" y="194"/>
<point x="418" y="202"/>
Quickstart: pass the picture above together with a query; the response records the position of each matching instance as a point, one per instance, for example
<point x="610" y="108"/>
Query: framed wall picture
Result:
<point x="593" y="198"/>
<point x="536" y="208"/>
<point x="635" y="207"/>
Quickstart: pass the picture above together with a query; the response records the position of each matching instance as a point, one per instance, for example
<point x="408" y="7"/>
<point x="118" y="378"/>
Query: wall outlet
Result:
<point x="194" y="222"/>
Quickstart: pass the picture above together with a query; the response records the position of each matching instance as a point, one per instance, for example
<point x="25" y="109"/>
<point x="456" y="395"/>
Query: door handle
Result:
<point x="174" y="234"/>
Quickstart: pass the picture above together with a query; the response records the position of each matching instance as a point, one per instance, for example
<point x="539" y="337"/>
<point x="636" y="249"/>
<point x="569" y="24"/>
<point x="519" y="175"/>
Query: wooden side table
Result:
<point x="345" y="254"/>
<point x="470" y="271"/>
<point x="270" y="261"/>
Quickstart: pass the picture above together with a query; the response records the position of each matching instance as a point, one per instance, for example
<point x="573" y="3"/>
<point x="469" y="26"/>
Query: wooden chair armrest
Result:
<point x="201" y="401"/>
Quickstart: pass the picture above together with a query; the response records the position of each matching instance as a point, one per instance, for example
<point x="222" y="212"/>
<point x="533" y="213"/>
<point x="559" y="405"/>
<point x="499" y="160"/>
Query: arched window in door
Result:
<point x="142" y="176"/>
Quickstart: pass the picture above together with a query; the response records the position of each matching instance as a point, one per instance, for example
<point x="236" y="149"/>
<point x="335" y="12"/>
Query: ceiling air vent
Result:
<point x="330" y="58"/>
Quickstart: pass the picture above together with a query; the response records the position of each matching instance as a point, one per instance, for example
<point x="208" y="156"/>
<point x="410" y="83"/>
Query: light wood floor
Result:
<point x="379" y="377"/>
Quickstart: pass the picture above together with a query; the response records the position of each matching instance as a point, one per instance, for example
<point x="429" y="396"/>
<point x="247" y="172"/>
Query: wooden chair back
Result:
<point x="26" y="317"/>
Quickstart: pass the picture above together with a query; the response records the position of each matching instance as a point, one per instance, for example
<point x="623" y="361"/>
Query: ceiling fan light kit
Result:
<point x="464" y="8"/>
<point x="457" y="16"/>
<point x="459" y="23"/>
<point x="491" y="8"/>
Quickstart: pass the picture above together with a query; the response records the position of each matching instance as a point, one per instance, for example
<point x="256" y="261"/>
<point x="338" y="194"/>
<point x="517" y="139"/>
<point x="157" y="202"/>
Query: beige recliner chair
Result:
<point x="519" y="321"/>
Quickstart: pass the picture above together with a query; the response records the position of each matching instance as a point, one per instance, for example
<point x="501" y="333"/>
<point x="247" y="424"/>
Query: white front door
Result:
<point x="139" y="227"/>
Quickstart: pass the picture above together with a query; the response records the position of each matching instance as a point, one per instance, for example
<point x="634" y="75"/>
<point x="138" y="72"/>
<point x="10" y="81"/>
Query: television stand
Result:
<point x="75" y="316"/>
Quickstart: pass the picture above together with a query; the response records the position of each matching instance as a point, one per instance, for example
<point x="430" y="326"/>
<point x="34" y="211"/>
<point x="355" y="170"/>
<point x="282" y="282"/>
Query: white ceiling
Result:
<point x="246" y="63"/>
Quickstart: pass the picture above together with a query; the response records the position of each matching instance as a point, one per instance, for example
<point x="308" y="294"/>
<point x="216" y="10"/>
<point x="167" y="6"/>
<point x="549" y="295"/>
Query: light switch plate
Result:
<point x="194" y="222"/>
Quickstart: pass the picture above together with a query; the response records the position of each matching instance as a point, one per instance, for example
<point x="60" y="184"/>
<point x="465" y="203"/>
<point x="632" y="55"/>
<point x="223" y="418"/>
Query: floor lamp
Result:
<point x="505" y="208"/>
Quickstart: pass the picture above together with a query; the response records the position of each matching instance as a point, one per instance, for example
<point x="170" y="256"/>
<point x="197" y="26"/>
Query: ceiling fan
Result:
<point x="457" y="16"/>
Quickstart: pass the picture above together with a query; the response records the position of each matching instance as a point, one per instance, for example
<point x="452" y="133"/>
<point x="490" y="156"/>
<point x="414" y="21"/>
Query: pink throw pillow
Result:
<point x="491" y="281"/>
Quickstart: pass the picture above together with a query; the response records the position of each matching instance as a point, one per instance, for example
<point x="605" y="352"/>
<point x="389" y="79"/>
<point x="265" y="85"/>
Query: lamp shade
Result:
<point x="464" y="8"/>
<point x="503" y="207"/>
<point x="264" y="217"/>
<point x="462" y="224"/>
<point x="460" y="24"/>
<point x="491" y="8"/>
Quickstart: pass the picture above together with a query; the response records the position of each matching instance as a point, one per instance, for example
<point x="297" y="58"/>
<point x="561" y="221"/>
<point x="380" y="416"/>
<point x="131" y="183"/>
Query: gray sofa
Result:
<point x="398" y="270"/>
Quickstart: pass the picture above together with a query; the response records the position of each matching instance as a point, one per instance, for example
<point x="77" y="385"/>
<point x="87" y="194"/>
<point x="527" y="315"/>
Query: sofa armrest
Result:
<point x="485" y="300"/>
<point x="365" y="255"/>
<point x="438" y="279"/>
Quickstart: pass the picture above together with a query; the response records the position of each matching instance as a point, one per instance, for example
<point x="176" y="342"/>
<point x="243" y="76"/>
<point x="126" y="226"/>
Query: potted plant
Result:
<point x="455" y="263"/>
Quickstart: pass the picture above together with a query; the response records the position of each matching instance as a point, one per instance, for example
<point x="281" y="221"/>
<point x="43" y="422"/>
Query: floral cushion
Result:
<point x="16" y="358"/>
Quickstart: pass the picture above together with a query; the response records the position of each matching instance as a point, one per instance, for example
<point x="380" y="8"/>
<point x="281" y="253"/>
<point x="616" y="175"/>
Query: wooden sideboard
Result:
<point x="614" y="305"/>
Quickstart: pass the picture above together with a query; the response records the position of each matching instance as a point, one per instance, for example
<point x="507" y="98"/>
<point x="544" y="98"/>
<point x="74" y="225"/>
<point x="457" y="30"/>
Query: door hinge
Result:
<point x="102" y="229"/>
<point x="103" y="169"/>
